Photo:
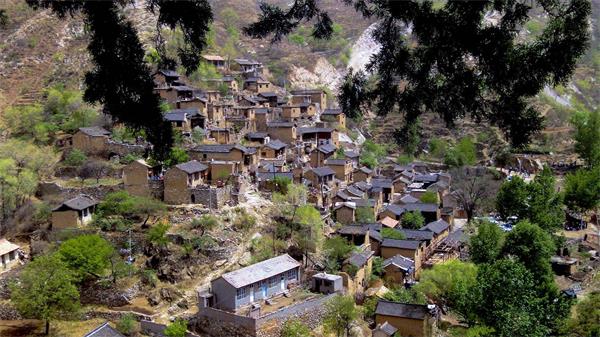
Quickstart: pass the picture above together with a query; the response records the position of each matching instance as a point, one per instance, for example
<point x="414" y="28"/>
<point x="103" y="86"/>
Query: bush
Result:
<point x="413" y="220"/>
<point x="149" y="277"/>
<point x="390" y="233"/>
<point x="75" y="157"/>
<point x="429" y="198"/>
<point x="176" y="329"/>
<point x="203" y="243"/>
<point x="128" y="325"/>
<point x="243" y="220"/>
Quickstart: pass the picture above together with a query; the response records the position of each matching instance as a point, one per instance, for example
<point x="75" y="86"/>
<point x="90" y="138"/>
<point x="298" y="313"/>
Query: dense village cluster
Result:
<point x="349" y="227"/>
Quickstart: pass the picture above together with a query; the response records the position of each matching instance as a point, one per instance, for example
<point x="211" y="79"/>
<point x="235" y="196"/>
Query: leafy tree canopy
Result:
<point x="486" y="245"/>
<point x="587" y="136"/>
<point x="413" y="220"/>
<point x="86" y="255"/>
<point x="582" y="189"/>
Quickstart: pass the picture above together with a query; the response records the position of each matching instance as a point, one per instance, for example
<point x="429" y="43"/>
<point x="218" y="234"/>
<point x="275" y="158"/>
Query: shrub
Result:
<point x="128" y="325"/>
<point x="390" y="233"/>
<point x="429" y="197"/>
<point x="413" y="220"/>
<point x="149" y="277"/>
<point x="243" y="220"/>
<point x="75" y="158"/>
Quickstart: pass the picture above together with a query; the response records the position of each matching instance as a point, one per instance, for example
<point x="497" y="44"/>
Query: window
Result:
<point x="292" y="274"/>
<point x="240" y="293"/>
<point x="179" y="124"/>
<point x="272" y="282"/>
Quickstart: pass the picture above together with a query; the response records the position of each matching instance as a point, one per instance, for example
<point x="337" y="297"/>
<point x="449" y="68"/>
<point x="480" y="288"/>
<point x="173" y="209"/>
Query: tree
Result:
<point x="122" y="204"/>
<point x="337" y="249"/>
<point x="26" y="122"/>
<point x="413" y="220"/>
<point x="86" y="255"/>
<point x="75" y="157"/>
<point x="533" y="247"/>
<point x="157" y="235"/>
<point x="340" y="312"/>
<point x="545" y="204"/>
<point x="586" y="321"/>
<point x="351" y="95"/>
<point x="582" y="189"/>
<point x="463" y="153"/>
<point x="449" y="283"/>
<point x="429" y="197"/>
<point x="93" y="169"/>
<point x="205" y="223"/>
<point x="474" y="189"/>
<point x="365" y="214"/>
<point x="295" y="328"/>
<point x="127" y="325"/>
<point x="587" y="136"/>
<point x="176" y="329"/>
<point x="512" y="198"/>
<point x="45" y="290"/>
<point x="455" y="63"/>
<point x="403" y="295"/>
<point x="391" y="233"/>
<point x="486" y="245"/>
<point x="177" y="156"/>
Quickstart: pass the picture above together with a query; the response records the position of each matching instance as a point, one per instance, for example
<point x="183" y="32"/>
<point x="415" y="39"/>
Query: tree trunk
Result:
<point x="47" y="327"/>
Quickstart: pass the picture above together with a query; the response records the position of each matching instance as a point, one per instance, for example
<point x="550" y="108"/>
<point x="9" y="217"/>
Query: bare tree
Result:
<point x="93" y="169"/>
<point x="474" y="188"/>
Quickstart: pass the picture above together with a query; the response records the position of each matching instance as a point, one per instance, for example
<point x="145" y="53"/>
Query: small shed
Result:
<point x="74" y="212"/>
<point x="326" y="283"/>
<point x="8" y="253"/>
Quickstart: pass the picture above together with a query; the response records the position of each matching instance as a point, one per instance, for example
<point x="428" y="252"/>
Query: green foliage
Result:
<point x="205" y="223"/>
<point x="26" y="122"/>
<point x="369" y="307"/>
<point x="413" y="220"/>
<point x="486" y="245"/>
<point x="86" y="255"/>
<point x="243" y="220"/>
<point x="582" y="189"/>
<point x="586" y="321"/>
<point x="336" y="249"/>
<point x="365" y="214"/>
<point x="176" y="329"/>
<point x="45" y="290"/>
<point x="149" y="277"/>
<point x="177" y="156"/>
<point x="438" y="148"/>
<point x="512" y="198"/>
<point x="42" y="213"/>
<point x="405" y="159"/>
<point x="282" y="184"/>
<point x="204" y="243"/>
<point x="587" y="136"/>
<point x="463" y="153"/>
<point x="297" y="39"/>
<point x="295" y="328"/>
<point x="449" y="283"/>
<point x="403" y="295"/>
<point x="157" y="235"/>
<point x="75" y="158"/>
<point x="340" y="312"/>
<point x="308" y="234"/>
<point x="391" y="233"/>
<point x="128" y="325"/>
<point x="265" y="247"/>
<point x="533" y="247"/>
<point x="429" y="197"/>
<point x="129" y="207"/>
<point x="371" y="153"/>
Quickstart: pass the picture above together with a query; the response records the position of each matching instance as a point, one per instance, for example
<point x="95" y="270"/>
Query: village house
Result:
<point x="401" y="182"/>
<point x="270" y="97"/>
<point x="252" y="284"/>
<point x="165" y="78"/>
<point x="398" y="269"/>
<point x="342" y="169"/>
<point x="439" y="228"/>
<point x="353" y="156"/>
<point x="182" y="177"/>
<point x="411" y="249"/>
<point x="346" y="212"/>
<point x="411" y="320"/>
<point x="220" y="171"/>
<point x="199" y="103"/>
<point x="215" y="60"/>
<point x="307" y="110"/>
<point x="385" y="186"/>
<point x="220" y="135"/>
<point x="257" y="85"/>
<point x="335" y="117"/>
<point x="320" y="176"/>
<point x="326" y="283"/>
<point x="262" y="116"/>
<point x="284" y="131"/>
<point x="317" y="96"/>
<point x="91" y="140"/>
<point x="225" y="152"/>
<point x="258" y="138"/>
<point x="9" y="253"/>
<point x="363" y="235"/>
<point x="216" y="114"/>
<point x="363" y="174"/>
<point x="246" y="65"/>
<point x="267" y="180"/>
<point x="73" y="212"/>
<point x="318" y="135"/>
<point x="358" y="268"/>
<point x="185" y="120"/>
<point x="275" y="149"/>
<point x="137" y="176"/>
<point x="430" y="212"/>
<point x="321" y="153"/>
<point x="389" y="222"/>
<point x="290" y="113"/>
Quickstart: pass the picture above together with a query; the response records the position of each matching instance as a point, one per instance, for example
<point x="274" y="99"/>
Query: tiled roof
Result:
<point x="327" y="148"/>
<point x="104" y="330"/>
<point x="332" y="111"/>
<point x="220" y="148"/>
<point x="257" y="135"/>
<point x="436" y="227"/>
<point x="402" y="244"/>
<point x="260" y="271"/>
<point x="335" y="162"/>
<point x="169" y="73"/>
<point x="323" y="171"/>
<point x="401" y="262"/>
<point x="95" y="131"/>
<point x="304" y="130"/>
<point x="360" y="259"/>
<point x="414" y="234"/>
<point x="78" y="203"/>
<point x="276" y="144"/>
<point x="395" y="309"/>
<point x="192" y="166"/>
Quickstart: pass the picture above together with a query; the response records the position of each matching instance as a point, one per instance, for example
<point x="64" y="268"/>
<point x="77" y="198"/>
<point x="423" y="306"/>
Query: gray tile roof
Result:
<point x="360" y="259"/>
<point x="402" y="244"/>
<point x="268" y="176"/>
<point x="401" y="262"/>
<point x="335" y="162"/>
<point x="276" y="144"/>
<point x="323" y="171"/>
<point x="332" y="111"/>
<point x="280" y="125"/>
<point x="257" y="135"/>
<point x="382" y="182"/>
<point x="428" y="178"/>
<point x="104" y="330"/>
<point x="306" y="91"/>
<point x="304" y="130"/>
<point x="436" y="227"/>
<point x="220" y="148"/>
<point x="351" y="154"/>
<point x="327" y="148"/>
<point x="78" y="203"/>
<point x="260" y="271"/>
<point x="408" y="199"/>
<point x="415" y="234"/>
<point x="180" y="115"/>
<point x="395" y="309"/>
<point x="95" y="131"/>
<point x="192" y="166"/>
<point x="365" y="170"/>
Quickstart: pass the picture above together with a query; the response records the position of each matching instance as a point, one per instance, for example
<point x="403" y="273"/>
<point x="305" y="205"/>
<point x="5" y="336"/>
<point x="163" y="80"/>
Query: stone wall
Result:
<point x="211" y="197"/>
<point x="54" y="192"/>
<point x="123" y="149"/>
<point x="157" y="189"/>
<point x="219" y="323"/>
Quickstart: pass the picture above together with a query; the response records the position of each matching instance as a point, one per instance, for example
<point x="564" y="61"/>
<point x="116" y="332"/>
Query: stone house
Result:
<point x="284" y="131"/>
<point x="167" y="94"/>
<point x="439" y="228"/>
<point x="401" y="183"/>
<point x="246" y="66"/>
<point x="185" y="120"/>
<point x="258" y="138"/>
<point x="412" y="249"/>
<point x="253" y="284"/>
<point x="262" y="116"/>
<point x="411" y="320"/>
<point x="363" y="174"/>
<point x="9" y="254"/>
<point x="307" y="110"/>
<point x="73" y="212"/>
<point x="430" y="212"/>
<point x="364" y="235"/>
<point x="91" y="140"/>
<point x="321" y="153"/>
<point x="199" y="103"/>
<point x="334" y="117"/>
<point x="215" y="60"/>
<point x="224" y="152"/>
<point x="275" y="149"/>
<point x="137" y="176"/>
<point x="385" y="186"/>
<point x="258" y="85"/>
<point x="180" y="178"/>
<point x="165" y="78"/>
<point x="290" y="113"/>
<point x="270" y="97"/>
<point x="216" y="114"/>
<point x="345" y="212"/>
<point x="317" y="96"/>
<point x="358" y="268"/>
<point x="343" y="169"/>
<point x="221" y="170"/>
<point x="398" y="269"/>
<point x="220" y="135"/>
<point x="319" y="135"/>
<point x="320" y="176"/>
<point x="326" y="283"/>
